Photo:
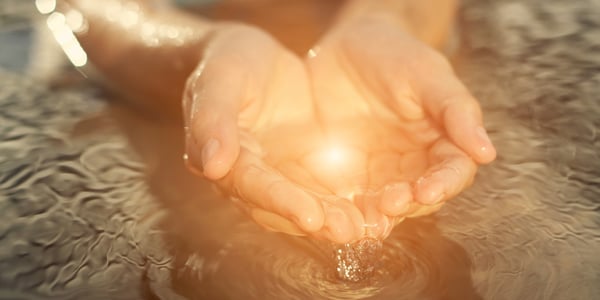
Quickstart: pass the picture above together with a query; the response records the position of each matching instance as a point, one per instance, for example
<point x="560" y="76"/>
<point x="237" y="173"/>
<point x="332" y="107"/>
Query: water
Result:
<point x="95" y="202"/>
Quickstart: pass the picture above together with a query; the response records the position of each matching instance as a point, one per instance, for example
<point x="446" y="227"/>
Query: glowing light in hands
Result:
<point x="338" y="167"/>
<point x="334" y="156"/>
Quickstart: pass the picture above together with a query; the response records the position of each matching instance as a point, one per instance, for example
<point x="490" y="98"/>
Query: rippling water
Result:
<point x="95" y="203"/>
<point x="416" y="262"/>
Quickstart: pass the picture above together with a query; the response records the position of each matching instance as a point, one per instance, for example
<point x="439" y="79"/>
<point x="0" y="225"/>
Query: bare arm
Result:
<point x="150" y="51"/>
<point x="146" y="48"/>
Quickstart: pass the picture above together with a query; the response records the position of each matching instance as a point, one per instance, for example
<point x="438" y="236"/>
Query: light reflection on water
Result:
<point x="77" y="219"/>
<point x="417" y="262"/>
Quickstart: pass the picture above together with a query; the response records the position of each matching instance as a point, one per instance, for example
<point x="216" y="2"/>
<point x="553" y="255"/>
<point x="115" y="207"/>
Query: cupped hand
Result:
<point x="250" y="115"/>
<point x="399" y="105"/>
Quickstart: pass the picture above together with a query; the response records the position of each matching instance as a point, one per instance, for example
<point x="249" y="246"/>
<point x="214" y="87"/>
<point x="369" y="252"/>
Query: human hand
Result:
<point x="249" y="116"/>
<point x="416" y="126"/>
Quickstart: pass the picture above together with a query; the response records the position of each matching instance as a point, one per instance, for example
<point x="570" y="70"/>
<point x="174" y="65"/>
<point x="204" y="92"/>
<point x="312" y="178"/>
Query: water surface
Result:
<point x="95" y="202"/>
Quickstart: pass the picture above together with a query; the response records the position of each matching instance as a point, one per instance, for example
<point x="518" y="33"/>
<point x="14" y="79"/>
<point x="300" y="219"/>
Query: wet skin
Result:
<point x="412" y="129"/>
<point x="257" y="116"/>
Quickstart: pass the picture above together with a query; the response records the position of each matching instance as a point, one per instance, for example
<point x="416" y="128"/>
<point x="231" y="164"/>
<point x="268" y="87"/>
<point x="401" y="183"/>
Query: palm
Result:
<point x="280" y="129"/>
<point x="397" y="141"/>
<point x="339" y="147"/>
<point x="261" y="110"/>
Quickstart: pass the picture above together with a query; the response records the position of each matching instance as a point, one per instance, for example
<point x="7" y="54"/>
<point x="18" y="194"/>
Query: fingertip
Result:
<point x="216" y="159"/>
<point x="485" y="152"/>
<point x="429" y="191"/>
<point x="485" y="155"/>
<point x="215" y="169"/>
<point x="338" y="227"/>
<point x="210" y="159"/>
<point x="217" y="147"/>
<point x="395" y="199"/>
<point x="463" y="124"/>
<point x="217" y="165"/>
<point x="339" y="235"/>
<point x="293" y="202"/>
<point x="312" y="219"/>
<point x="376" y="222"/>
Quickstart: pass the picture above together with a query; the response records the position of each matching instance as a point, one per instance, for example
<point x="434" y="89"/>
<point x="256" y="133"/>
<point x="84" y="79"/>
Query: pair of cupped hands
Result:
<point x="372" y="126"/>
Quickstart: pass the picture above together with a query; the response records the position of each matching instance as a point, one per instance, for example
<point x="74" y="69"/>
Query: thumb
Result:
<point x="213" y="145"/>
<point x="211" y="103"/>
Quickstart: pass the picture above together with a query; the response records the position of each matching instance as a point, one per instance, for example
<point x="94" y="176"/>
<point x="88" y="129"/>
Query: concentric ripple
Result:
<point x="415" y="262"/>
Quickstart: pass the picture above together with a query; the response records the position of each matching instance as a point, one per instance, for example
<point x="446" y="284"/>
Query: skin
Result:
<point x="257" y="115"/>
<point x="374" y="73"/>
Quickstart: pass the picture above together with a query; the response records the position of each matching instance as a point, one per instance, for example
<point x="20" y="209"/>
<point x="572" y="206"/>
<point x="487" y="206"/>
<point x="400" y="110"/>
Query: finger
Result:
<point x="404" y="101"/>
<point x="275" y="222"/>
<point x="343" y="222"/>
<point x="395" y="199"/>
<point x="453" y="171"/>
<point x="256" y="183"/>
<point x="377" y="224"/>
<point x="453" y="107"/>
<point x="212" y="98"/>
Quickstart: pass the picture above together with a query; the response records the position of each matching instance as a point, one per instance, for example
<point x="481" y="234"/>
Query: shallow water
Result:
<point x="95" y="203"/>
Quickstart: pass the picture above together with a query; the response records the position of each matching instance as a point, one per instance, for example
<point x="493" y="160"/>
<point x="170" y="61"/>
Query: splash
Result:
<point x="359" y="260"/>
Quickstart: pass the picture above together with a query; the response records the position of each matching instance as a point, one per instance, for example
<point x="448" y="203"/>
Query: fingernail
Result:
<point x="210" y="149"/>
<point x="483" y="138"/>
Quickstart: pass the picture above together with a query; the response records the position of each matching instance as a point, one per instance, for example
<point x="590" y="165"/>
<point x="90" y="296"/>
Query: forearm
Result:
<point x="143" y="49"/>
<point x="428" y="20"/>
